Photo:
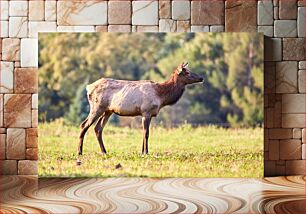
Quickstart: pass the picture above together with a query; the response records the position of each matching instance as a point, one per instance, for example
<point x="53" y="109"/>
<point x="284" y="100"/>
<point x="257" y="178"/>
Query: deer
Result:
<point x="143" y="98"/>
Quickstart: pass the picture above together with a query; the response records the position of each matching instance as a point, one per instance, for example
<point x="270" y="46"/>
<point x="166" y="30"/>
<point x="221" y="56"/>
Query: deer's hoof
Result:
<point x="79" y="162"/>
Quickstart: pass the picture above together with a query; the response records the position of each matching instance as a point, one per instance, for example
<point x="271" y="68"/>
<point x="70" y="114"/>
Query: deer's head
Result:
<point x="185" y="76"/>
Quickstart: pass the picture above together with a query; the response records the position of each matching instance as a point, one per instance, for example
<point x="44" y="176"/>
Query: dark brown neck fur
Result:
<point x="170" y="91"/>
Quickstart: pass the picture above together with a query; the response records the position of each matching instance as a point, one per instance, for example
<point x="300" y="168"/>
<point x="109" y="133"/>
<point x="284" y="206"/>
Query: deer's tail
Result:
<point x="90" y="89"/>
<point x="90" y="94"/>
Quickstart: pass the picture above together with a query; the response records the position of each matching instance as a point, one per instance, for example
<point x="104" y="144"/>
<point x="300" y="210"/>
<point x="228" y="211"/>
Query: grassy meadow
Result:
<point x="177" y="152"/>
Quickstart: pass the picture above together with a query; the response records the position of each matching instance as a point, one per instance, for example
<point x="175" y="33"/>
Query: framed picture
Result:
<point x="151" y="104"/>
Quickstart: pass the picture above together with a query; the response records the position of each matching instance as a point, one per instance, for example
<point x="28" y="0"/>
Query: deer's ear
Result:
<point x="179" y="70"/>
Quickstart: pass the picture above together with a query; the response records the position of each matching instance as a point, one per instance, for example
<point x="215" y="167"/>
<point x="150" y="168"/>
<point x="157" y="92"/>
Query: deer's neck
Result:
<point x="170" y="91"/>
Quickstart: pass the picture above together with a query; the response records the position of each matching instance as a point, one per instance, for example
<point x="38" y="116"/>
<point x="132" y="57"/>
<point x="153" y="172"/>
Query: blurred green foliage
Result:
<point x="232" y="64"/>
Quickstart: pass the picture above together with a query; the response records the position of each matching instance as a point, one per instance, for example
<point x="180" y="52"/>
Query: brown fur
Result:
<point x="170" y="91"/>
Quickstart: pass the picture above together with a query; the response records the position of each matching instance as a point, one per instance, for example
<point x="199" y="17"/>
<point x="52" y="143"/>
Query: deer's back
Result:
<point x="129" y="98"/>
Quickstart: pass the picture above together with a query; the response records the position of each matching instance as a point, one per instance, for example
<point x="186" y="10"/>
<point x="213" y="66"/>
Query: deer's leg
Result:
<point x="83" y="123"/>
<point x="146" y="126"/>
<point x="99" y="129"/>
<point x="92" y="117"/>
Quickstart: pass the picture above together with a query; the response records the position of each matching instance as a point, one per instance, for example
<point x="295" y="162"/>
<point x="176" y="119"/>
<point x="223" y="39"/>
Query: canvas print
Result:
<point x="151" y="104"/>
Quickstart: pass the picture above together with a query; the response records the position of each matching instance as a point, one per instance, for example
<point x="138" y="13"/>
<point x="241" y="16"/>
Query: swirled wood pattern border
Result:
<point x="146" y="195"/>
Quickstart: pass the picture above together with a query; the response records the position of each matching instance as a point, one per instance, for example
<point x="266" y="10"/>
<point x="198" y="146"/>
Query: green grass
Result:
<point x="178" y="152"/>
